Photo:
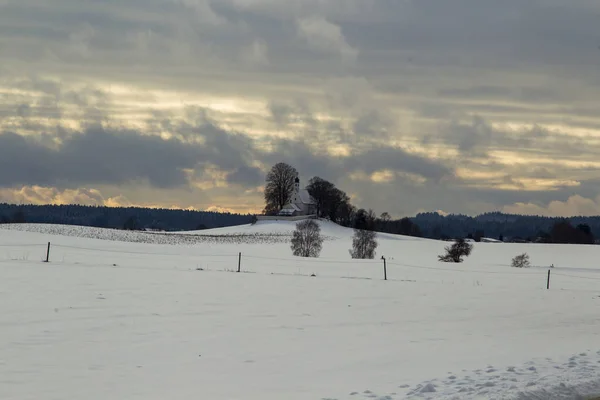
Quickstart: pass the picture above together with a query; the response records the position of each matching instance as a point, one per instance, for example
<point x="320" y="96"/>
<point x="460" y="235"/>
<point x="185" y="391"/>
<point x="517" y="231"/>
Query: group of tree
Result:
<point x="131" y="218"/>
<point x="331" y="203"/>
<point x="308" y="242"/>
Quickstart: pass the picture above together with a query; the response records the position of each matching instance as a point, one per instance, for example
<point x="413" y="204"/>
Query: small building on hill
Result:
<point x="302" y="203"/>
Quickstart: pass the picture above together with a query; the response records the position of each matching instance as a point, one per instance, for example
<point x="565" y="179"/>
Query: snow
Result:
<point x="138" y="315"/>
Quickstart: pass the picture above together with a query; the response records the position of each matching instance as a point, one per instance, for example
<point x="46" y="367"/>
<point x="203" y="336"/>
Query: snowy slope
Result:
<point x="146" y="317"/>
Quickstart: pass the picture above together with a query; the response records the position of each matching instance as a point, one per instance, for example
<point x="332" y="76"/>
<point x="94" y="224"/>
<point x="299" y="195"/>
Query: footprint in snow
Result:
<point x="429" y="388"/>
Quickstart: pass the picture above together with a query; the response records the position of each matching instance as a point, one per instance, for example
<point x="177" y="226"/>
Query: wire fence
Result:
<point x="187" y="258"/>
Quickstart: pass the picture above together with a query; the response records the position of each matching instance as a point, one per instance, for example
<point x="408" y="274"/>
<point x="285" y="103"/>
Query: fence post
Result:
<point x="384" y="269"/>
<point x="548" y="284"/>
<point x="48" y="253"/>
<point x="239" y="262"/>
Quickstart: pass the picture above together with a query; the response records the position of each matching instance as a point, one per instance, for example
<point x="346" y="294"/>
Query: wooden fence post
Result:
<point x="548" y="283"/>
<point x="384" y="269"/>
<point x="48" y="253"/>
<point x="239" y="262"/>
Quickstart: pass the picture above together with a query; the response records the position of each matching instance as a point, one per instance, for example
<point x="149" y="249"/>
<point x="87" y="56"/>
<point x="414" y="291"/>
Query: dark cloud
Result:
<point x="96" y="156"/>
<point x="106" y="156"/>
<point x="246" y="176"/>
<point x="320" y="77"/>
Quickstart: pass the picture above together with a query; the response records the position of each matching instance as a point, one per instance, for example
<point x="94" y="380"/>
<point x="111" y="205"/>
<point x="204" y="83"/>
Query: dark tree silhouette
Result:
<point x="19" y="217"/>
<point x="130" y="224"/>
<point x="280" y="186"/>
<point x="385" y="217"/>
<point x="322" y="192"/>
<point x="563" y="232"/>
<point x="332" y="202"/>
<point x="360" y="219"/>
<point x="457" y="251"/>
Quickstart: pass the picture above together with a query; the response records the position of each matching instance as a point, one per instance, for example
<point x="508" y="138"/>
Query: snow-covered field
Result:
<point x="147" y="316"/>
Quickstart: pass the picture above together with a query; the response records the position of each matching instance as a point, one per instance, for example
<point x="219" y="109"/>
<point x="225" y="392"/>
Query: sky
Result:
<point x="463" y="106"/>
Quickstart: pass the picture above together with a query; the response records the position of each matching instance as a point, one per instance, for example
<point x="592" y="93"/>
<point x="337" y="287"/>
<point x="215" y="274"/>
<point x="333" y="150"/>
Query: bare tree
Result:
<point x="521" y="261"/>
<point x="457" y="251"/>
<point x="306" y="239"/>
<point x="385" y="217"/>
<point x="280" y="186"/>
<point x="364" y="244"/>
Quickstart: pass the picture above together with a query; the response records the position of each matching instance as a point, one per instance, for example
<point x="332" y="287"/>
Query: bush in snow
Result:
<point x="521" y="261"/>
<point x="363" y="244"/>
<point x="457" y="251"/>
<point x="306" y="239"/>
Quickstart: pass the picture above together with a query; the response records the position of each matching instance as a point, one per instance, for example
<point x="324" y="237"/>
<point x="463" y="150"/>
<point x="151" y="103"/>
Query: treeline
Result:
<point x="334" y="204"/>
<point x="132" y="218"/>
<point x="509" y="227"/>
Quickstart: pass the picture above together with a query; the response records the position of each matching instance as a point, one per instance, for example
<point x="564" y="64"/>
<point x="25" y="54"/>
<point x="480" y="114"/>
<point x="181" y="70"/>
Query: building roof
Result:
<point x="305" y="197"/>
<point x="291" y="207"/>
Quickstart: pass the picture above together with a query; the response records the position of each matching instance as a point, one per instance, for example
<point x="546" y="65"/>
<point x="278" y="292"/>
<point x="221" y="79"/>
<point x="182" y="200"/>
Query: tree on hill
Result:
<point x="306" y="239"/>
<point x="280" y="187"/>
<point x="346" y="213"/>
<point x="364" y="220"/>
<point x="332" y="202"/>
<point x="322" y="192"/>
<point x="409" y="228"/>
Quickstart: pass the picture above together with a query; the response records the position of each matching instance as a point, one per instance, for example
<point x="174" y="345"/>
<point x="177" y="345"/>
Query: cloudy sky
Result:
<point x="464" y="106"/>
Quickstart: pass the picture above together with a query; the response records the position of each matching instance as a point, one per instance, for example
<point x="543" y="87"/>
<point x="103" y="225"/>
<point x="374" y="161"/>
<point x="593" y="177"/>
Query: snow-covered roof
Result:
<point x="305" y="197"/>
<point x="291" y="207"/>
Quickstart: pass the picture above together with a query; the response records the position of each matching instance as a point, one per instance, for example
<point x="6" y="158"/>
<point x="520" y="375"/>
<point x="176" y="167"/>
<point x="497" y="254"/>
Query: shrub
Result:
<point x="306" y="239"/>
<point x="456" y="252"/>
<point x="363" y="244"/>
<point x="521" y="261"/>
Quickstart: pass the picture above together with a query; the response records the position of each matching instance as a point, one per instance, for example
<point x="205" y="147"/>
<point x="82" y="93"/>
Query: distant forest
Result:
<point x="505" y="227"/>
<point x="130" y="218"/>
